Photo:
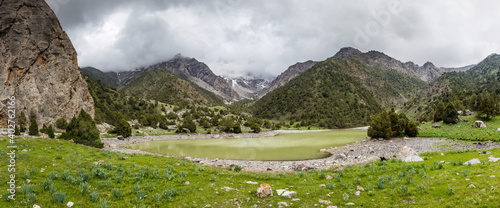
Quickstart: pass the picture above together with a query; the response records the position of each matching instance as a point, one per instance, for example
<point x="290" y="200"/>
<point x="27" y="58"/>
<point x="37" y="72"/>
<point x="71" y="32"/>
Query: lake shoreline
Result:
<point x="359" y="152"/>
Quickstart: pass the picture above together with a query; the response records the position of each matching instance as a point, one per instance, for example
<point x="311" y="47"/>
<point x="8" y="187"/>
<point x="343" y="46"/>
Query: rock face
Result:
<point x="38" y="64"/>
<point x="248" y="86"/>
<point x="189" y="68"/>
<point x="286" y="76"/>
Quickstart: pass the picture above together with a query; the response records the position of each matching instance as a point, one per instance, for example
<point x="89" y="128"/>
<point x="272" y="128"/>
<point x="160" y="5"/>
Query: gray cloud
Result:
<point x="235" y="37"/>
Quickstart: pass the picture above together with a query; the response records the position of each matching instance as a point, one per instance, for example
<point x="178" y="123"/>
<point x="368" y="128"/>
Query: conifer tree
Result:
<point x="438" y="114"/>
<point x="450" y="114"/>
<point x="33" y="130"/>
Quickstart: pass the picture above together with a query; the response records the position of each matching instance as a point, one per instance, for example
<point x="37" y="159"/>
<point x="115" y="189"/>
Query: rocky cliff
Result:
<point x="190" y="69"/>
<point x="38" y="64"/>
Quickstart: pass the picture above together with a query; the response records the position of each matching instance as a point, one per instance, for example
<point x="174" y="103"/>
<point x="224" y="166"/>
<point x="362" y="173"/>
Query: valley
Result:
<point x="147" y="128"/>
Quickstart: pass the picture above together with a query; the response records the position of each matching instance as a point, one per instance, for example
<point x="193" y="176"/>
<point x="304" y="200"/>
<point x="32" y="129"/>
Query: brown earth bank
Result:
<point x="355" y="153"/>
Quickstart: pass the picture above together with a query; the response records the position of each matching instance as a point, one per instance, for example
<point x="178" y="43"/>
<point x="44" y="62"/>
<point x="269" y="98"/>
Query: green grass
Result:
<point x="463" y="130"/>
<point x="292" y="146"/>
<point x="154" y="181"/>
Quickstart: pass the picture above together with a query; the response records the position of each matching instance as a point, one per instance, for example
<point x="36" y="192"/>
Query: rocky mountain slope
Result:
<point x="110" y="81"/>
<point x="292" y="72"/>
<point x="248" y="86"/>
<point x="162" y="85"/>
<point x="38" y="64"/>
<point x="190" y="69"/>
<point x="338" y="93"/>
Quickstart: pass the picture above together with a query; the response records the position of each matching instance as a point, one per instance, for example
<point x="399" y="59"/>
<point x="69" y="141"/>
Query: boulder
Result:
<point x="264" y="190"/>
<point x="436" y="126"/>
<point x="185" y="130"/>
<point x="472" y="161"/>
<point x="460" y="112"/>
<point x="465" y="121"/>
<point x="120" y="137"/>
<point x="409" y="155"/>
<point x="493" y="159"/>
<point x="302" y="167"/>
<point x="468" y="113"/>
<point x="289" y="194"/>
<point x="480" y="124"/>
<point x="172" y="127"/>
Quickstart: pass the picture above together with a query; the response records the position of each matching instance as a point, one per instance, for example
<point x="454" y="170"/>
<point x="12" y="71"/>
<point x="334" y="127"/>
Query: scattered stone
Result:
<point x="498" y="130"/>
<point x="264" y="190"/>
<point x="331" y="207"/>
<point x="124" y="158"/>
<point x="250" y="182"/>
<point x="480" y="124"/>
<point x="471" y="186"/>
<point x="359" y="188"/>
<point x="350" y="204"/>
<point x="322" y="186"/>
<point x="442" y="154"/>
<point x="228" y="189"/>
<point x="467" y="179"/>
<point x="328" y="177"/>
<point x="436" y="126"/>
<point x="357" y="193"/>
<point x="492" y="176"/>
<point x="325" y="202"/>
<point x="468" y="112"/>
<point x="187" y="183"/>
<point x="295" y="200"/>
<point x="289" y="194"/>
<point x="409" y="155"/>
<point x="493" y="159"/>
<point x="28" y="180"/>
<point x="283" y="204"/>
<point x="340" y="156"/>
<point x="120" y="137"/>
<point x="69" y="204"/>
<point x="472" y="161"/>
<point x="185" y="130"/>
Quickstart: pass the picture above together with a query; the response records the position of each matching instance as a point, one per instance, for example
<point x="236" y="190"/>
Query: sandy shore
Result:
<point x="355" y="153"/>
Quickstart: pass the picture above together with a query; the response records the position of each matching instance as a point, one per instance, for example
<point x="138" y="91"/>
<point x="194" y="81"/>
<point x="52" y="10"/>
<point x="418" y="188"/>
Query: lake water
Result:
<point x="291" y="146"/>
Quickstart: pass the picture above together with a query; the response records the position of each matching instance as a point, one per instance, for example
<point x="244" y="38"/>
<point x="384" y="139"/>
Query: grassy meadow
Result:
<point x="463" y="130"/>
<point x="60" y="172"/>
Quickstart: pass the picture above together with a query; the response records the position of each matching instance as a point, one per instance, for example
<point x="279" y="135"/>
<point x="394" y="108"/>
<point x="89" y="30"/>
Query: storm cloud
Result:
<point x="235" y="37"/>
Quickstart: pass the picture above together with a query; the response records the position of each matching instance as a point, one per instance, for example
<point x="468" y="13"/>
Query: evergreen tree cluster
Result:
<point x="83" y="130"/>
<point x="390" y="124"/>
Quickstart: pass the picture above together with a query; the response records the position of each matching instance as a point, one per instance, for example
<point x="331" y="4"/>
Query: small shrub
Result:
<point x="59" y="197"/>
<point x="34" y="170"/>
<point x="84" y="187"/>
<point x="451" y="190"/>
<point x="70" y="179"/>
<point x="330" y="186"/>
<point x="157" y="197"/>
<point x="403" y="189"/>
<point x="136" y="188"/>
<point x="345" y="196"/>
<point x="237" y="168"/>
<point x="103" y="203"/>
<point x="393" y="184"/>
<point x="27" y="188"/>
<point x="65" y="175"/>
<point x="300" y="174"/>
<point x="52" y="175"/>
<point x="421" y="186"/>
<point x="26" y="174"/>
<point x="46" y="184"/>
<point x="465" y="173"/>
<point x="52" y="188"/>
<point x="94" y="195"/>
<point x="357" y="181"/>
<point x="381" y="183"/>
<point x="117" y="193"/>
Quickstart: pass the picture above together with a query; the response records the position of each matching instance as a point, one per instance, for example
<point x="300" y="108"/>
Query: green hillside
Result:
<point x="462" y="88"/>
<point x="337" y="94"/>
<point x="101" y="76"/>
<point x="163" y="86"/>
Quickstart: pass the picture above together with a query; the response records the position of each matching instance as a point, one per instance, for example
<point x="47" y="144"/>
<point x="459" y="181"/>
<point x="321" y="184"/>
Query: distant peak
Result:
<point x="345" y="53"/>
<point x="428" y="65"/>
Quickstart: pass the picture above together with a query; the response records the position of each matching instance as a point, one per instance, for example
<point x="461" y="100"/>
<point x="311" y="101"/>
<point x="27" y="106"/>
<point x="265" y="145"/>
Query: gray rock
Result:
<point x="38" y="64"/>
<point x="493" y="159"/>
<point x="325" y="202"/>
<point x="480" y="124"/>
<point x="472" y="161"/>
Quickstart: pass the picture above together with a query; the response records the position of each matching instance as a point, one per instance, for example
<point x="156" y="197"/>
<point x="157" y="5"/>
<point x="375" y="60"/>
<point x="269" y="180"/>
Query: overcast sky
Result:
<point x="234" y="37"/>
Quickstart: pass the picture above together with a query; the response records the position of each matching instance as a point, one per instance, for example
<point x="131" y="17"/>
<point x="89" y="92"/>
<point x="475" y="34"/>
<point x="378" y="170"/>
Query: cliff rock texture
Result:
<point x="38" y="64"/>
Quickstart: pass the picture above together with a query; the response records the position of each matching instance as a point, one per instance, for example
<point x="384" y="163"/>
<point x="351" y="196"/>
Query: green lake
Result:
<point x="290" y="146"/>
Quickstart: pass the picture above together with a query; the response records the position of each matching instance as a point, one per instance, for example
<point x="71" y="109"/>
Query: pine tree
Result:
<point x="22" y="122"/>
<point x="123" y="128"/>
<point x="411" y="129"/>
<point x="17" y="132"/>
<point x="33" y="130"/>
<point x="396" y="127"/>
<point x="450" y="114"/>
<point x="83" y="131"/>
<point x="380" y="126"/>
<point x="488" y="106"/>
<point x="438" y="114"/>
<point x="50" y="131"/>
